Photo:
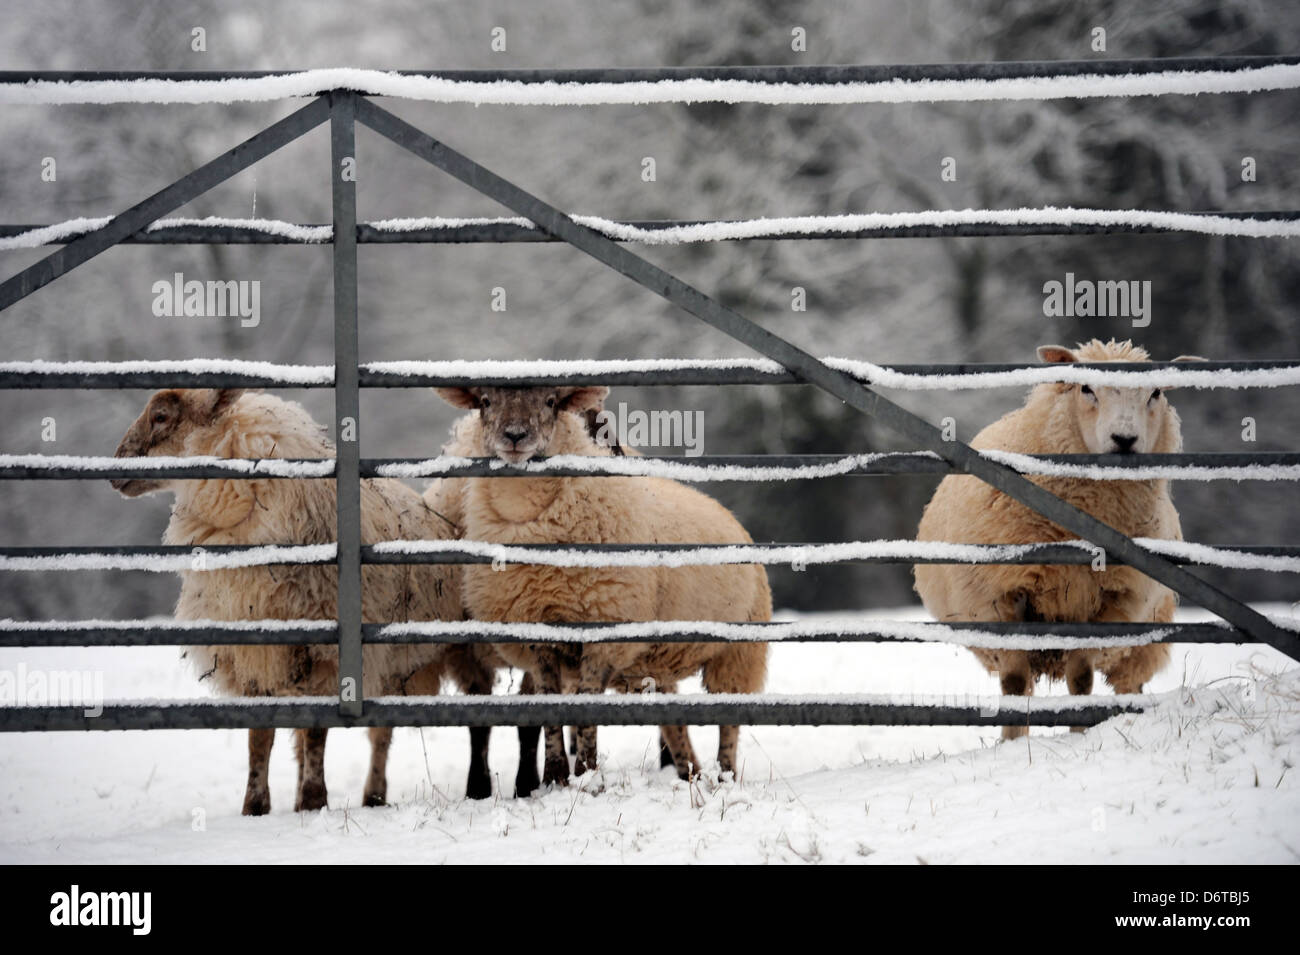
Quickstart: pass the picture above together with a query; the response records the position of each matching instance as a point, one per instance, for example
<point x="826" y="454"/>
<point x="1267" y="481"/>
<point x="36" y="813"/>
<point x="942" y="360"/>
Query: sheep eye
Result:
<point x="1155" y="394"/>
<point x="484" y="402"/>
<point x="1085" y="389"/>
<point x="160" y="417"/>
<point x="550" y="402"/>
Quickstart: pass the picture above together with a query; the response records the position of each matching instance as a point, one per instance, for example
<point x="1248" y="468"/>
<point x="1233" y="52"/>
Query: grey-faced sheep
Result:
<point x="1061" y="419"/>
<point x="232" y="423"/>
<point x="518" y="424"/>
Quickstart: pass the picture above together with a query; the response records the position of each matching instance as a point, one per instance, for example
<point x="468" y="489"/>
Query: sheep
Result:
<point x="1061" y="418"/>
<point x="517" y="424"/>
<point x="233" y="423"/>
<point x="445" y="497"/>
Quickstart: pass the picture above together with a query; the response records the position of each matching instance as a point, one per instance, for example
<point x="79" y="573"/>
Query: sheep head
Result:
<point x="164" y="427"/>
<point x="1115" y="420"/>
<point x="518" y="424"/>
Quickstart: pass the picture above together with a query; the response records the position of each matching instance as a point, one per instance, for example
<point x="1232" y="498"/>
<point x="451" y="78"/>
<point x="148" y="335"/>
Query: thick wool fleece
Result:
<point x="593" y="510"/>
<point x="291" y="511"/>
<point x="966" y="510"/>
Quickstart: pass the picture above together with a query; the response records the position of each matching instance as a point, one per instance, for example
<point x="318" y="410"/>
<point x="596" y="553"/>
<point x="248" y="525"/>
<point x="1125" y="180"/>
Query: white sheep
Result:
<point x="517" y="424"/>
<point x="1061" y="419"/>
<point x="232" y="423"/>
<point x="445" y="497"/>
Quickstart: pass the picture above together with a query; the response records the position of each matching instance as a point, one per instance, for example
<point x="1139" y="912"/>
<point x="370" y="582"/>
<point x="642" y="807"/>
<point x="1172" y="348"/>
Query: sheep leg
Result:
<point x="311" y="769"/>
<point x="526" y="779"/>
<point x="1078" y="677"/>
<point x="556" y="766"/>
<point x="1017" y="680"/>
<point x="665" y="751"/>
<point x="477" y="680"/>
<point x="738" y="669"/>
<point x="680" y="752"/>
<point x="257" y="795"/>
<point x="593" y="677"/>
<point x="376" y="792"/>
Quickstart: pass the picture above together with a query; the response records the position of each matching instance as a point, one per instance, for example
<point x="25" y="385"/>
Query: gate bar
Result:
<point x="97" y="634"/>
<point x="378" y="377"/>
<point x="477" y="232"/>
<point x="820" y="74"/>
<point x="893" y="463"/>
<point x="1044" y="553"/>
<point x="1119" y="547"/>
<point x="634" y="709"/>
<point x="347" y="397"/>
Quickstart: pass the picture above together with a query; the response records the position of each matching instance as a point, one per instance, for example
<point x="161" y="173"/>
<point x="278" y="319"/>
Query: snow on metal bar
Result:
<point x="696" y="90"/>
<point x="882" y="376"/>
<point x="727" y="231"/>
<point x="596" y="555"/>
<point x="166" y="560"/>
<point x="252" y="467"/>
<point x="268" y="372"/>
<point x="837" y="466"/>
<point x="390" y="373"/>
<point x="196" y="558"/>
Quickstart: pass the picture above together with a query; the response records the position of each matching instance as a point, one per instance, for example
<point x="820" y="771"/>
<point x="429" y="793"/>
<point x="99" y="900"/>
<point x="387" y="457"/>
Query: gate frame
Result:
<point x="344" y="108"/>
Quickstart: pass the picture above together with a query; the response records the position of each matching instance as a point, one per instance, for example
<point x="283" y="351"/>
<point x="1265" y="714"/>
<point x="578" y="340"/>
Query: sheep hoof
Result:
<point x="526" y="782"/>
<point x="556" y="772"/>
<point x="478" y="787"/>
<point x="373" y="800"/>
<point x="256" y="805"/>
<point x="311" y="798"/>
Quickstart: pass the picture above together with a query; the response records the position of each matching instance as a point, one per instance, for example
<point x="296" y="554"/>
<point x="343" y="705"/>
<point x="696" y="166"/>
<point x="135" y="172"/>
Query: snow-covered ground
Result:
<point x="1207" y="777"/>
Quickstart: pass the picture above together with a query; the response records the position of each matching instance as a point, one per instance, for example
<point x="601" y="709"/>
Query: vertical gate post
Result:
<point x="347" y="400"/>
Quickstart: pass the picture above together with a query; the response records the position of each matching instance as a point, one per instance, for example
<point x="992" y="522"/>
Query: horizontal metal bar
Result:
<point x="511" y="232"/>
<point x="818" y="74"/>
<point x="177" y="635"/>
<point x="679" y="376"/>
<point x="894" y="464"/>
<point x="1033" y="554"/>
<point x="631" y="710"/>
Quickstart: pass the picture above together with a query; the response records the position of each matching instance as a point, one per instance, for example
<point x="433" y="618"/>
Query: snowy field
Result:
<point x="1205" y="778"/>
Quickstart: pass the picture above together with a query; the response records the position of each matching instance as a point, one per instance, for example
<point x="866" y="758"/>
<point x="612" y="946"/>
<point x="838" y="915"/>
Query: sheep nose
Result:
<point x="1124" y="442"/>
<point x="516" y="435"/>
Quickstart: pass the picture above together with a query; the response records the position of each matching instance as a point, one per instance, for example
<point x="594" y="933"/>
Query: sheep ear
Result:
<point x="459" y="397"/>
<point x="586" y="398"/>
<point x="1056" y="354"/>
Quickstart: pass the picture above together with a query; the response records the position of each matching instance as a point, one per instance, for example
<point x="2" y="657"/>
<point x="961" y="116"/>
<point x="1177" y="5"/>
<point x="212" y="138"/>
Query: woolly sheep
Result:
<point x="445" y="497"/>
<point x="232" y="423"/>
<point x="1061" y="419"/>
<point x="517" y="424"/>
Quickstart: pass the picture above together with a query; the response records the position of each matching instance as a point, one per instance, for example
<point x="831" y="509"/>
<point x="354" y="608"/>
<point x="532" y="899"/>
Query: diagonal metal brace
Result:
<point x="961" y="456"/>
<point x="42" y="273"/>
